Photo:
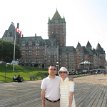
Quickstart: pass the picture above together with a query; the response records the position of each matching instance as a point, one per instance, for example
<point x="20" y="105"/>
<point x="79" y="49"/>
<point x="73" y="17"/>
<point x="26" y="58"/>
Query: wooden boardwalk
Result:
<point x="91" y="95"/>
<point x="90" y="91"/>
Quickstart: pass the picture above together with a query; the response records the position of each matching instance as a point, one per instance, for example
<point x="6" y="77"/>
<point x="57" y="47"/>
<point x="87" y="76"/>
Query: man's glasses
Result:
<point x="63" y="72"/>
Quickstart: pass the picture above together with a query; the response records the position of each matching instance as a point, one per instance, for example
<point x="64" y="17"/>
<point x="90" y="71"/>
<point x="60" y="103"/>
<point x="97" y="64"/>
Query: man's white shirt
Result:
<point x="51" y="86"/>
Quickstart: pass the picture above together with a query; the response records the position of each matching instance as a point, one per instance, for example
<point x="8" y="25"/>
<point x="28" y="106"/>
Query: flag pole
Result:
<point x="14" y="49"/>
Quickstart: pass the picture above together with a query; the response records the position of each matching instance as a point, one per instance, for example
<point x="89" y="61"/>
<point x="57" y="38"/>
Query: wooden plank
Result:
<point x="101" y="98"/>
<point x="82" y="92"/>
<point x="84" y="96"/>
<point x="97" y="99"/>
<point x="89" y="96"/>
<point x="104" y="103"/>
<point x="93" y="98"/>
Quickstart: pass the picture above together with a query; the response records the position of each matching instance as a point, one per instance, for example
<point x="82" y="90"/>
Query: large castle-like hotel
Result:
<point x="41" y="53"/>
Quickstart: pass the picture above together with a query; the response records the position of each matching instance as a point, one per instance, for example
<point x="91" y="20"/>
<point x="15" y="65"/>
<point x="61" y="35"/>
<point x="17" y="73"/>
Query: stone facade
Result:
<point x="41" y="53"/>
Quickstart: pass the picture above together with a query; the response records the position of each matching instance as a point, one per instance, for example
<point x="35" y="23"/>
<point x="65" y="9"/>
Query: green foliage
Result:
<point x="28" y="73"/>
<point x="6" y="51"/>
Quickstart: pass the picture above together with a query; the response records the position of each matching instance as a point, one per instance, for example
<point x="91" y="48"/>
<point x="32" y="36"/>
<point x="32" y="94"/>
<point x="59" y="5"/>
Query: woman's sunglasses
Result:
<point x="63" y="72"/>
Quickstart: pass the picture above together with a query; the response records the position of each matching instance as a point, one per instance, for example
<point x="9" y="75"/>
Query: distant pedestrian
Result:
<point x="14" y="78"/>
<point x="19" y="78"/>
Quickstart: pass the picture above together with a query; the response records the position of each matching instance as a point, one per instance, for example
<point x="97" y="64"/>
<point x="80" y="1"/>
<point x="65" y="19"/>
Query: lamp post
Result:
<point x="57" y="66"/>
<point x="5" y="72"/>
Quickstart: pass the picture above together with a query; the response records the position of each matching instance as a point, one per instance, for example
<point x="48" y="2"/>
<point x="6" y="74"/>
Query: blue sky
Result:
<point x="86" y="20"/>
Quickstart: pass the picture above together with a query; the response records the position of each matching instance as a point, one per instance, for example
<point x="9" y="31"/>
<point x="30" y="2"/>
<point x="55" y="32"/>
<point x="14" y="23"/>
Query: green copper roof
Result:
<point x="88" y="45"/>
<point x="34" y="40"/>
<point x="99" y="49"/>
<point x="56" y="16"/>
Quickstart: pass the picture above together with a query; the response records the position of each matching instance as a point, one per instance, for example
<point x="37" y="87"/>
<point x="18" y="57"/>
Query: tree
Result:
<point x="6" y="51"/>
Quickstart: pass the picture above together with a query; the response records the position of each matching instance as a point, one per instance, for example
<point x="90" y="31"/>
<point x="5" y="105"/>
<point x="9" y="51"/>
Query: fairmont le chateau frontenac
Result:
<point x="41" y="53"/>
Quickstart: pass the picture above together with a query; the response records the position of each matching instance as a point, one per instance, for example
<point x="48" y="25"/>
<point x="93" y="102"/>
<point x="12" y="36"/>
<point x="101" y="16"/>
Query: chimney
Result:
<point x="17" y="25"/>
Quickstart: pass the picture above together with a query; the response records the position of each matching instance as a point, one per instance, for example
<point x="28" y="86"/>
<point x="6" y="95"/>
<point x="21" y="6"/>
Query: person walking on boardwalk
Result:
<point x="50" y="93"/>
<point x="66" y="89"/>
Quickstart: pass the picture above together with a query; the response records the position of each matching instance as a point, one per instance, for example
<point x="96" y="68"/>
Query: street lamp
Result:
<point x="57" y="66"/>
<point x="5" y="70"/>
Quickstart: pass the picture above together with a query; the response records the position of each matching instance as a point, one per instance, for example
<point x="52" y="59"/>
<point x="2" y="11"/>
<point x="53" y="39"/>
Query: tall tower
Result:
<point x="57" y="29"/>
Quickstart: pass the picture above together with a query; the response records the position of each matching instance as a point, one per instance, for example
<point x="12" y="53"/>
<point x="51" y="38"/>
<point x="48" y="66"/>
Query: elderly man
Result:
<point x="50" y="94"/>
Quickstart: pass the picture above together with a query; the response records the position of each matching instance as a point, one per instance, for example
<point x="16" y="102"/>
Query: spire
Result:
<point x="12" y="26"/>
<point x="78" y="45"/>
<point x="56" y="15"/>
<point x="88" y="46"/>
<point x="99" y="49"/>
<point x="18" y="25"/>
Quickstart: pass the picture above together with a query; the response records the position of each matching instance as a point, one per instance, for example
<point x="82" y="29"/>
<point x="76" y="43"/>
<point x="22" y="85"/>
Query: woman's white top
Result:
<point x="66" y="86"/>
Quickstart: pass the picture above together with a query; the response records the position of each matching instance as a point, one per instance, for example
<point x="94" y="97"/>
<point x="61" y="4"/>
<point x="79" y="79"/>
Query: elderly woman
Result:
<point x="66" y="89"/>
